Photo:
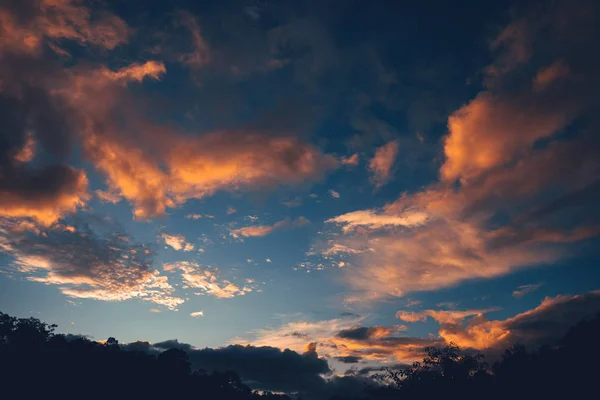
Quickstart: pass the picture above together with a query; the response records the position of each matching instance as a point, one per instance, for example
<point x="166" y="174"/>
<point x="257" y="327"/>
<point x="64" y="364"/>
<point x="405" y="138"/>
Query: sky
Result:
<point x="353" y="179"/>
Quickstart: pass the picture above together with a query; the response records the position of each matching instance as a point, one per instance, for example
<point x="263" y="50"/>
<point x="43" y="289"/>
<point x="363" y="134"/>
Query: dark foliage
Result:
<point x="563" y="370"/>
<point x="35" y="362"/>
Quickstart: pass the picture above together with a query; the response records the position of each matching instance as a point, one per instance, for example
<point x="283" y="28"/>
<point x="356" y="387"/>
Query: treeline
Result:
<point x="569" y="369"/>
<point x="35" y="362"/>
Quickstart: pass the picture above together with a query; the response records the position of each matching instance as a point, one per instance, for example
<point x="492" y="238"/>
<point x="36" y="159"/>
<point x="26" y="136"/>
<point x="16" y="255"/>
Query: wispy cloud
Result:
<point x="264" y="230"/>
<point x="382" y="163"/>
<point x="523" y="290"/>
<point x="195" y="276"/>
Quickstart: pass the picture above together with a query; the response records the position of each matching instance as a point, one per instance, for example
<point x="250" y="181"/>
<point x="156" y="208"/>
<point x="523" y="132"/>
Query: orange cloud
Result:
<point x="44" y="204"/>
<point x="443" y="249"/>
<point x="353" y="160"/>
<point x="138" y="72"/>
<point x="196" y="277"/>
<point x="490" y="132"/>
<point x="343" y="337"/>
<point x="382" y="163"/>
<point x="541" y="325"/>
<point x="526" y="289"/>
<point x="503" y="157"/>
<point x="200" y="54"/>
<point x="550" y="74"/>
<point x="263" y="230"/>
<point x="56" y="20"/>
<point x="27" y="153"/>
<point x="84" y="265"/>
<point x="198" y="167"/>
<point x="374" y="219"/>
<point x="177" y="242"/>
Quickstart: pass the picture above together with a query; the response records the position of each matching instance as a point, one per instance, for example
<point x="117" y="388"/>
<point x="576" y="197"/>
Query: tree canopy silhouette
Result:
<point x="36" y="362"/>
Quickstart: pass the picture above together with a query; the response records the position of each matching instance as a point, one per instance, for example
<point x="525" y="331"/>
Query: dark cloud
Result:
<point x="364" y="333"/>
<point x="360" y="333"/>
<point x="349" y="359"/>
<point x="349" y="314"/>
<point x="140" y="346"/>
<point x="87" y="260"/>
<point x="173" y="344"/>
<point x="263" y="367"/>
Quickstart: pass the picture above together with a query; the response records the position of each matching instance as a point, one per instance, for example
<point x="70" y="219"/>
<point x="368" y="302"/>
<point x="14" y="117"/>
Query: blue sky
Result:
<point x="270" y="173"/>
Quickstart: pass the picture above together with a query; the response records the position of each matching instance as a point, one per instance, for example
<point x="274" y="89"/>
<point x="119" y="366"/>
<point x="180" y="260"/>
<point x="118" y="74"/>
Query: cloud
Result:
<point x="137" y="72"/>
<point x="48" y="21"/>
<point x="349" y="359"/>
<point x="262" y="367"/>
<point x="526" y="289"/>
<point x="264" y="230"/>
<point x="198" y="167"/>
<point x="363" y="333"/>
<point x="42" y="194"/>
<point x="442" y="316"/>
<point x="177" y="242"/>
<point x="85" y="264"/>
<point x="108" y="197"/>
<point x="38" y="119"/>
<point x="231" y="210"/>
<point x="197" y="314"/>
<point x="154" y="166"/>
<point x="353" y="160"/>
<point x="544" y="324"/>
<point x="374" y="219"/>
<point x="382" y="163"/>
<point x="200" y="53"/>
<point x="547" y="75"/>
<point x="507" y="155"/>
<point x="334" y="194"/>
<point x="344" y="337"/>
<point x="208" y="281"/>
<point x="27" y="153"/>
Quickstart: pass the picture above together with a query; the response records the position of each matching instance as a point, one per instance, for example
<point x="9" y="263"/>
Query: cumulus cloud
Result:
<point x="197" y="314"/>
<point x="177" y="242"/>
<point x="334" y="194"/>
<point x="208" y="281"/>
<point x="198" y="167"/>
<point x="264" y="230"/>
<point x="261" y="367"/>
<point x="154" y="166"/>
<point x="85" y="264"/>
<point x="544" y="324"/>
<point x="494" y="166"/>
<point x="345" y="337"/>
<point x="382" y="163"/>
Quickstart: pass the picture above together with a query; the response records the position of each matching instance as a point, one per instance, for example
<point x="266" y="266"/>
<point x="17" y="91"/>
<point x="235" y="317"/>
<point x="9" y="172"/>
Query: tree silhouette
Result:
<point x="35" y="362"/>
